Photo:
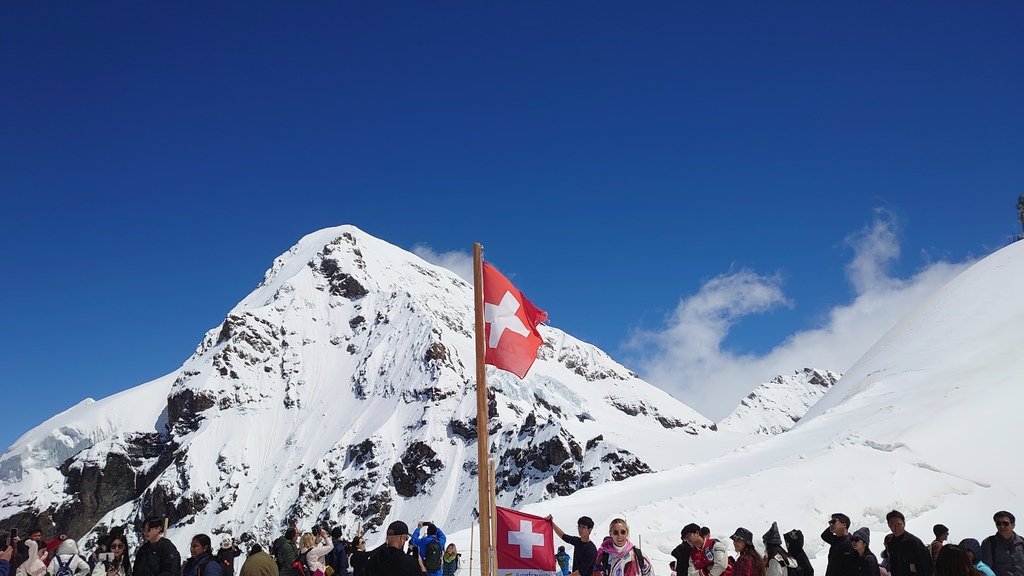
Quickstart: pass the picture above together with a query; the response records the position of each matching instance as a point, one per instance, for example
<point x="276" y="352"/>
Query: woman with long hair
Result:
<point x="777" y="559"/>
<point x="617" y="556"/>
<point x="201" y="562"/>
<point x="748" y="560"/>
<point x="315" y="554"/>
<point x="119" y="563"/>
<point x="450" y="560"/>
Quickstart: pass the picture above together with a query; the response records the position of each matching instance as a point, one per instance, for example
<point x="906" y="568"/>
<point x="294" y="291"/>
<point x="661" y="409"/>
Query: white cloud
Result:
<point x="457" y="261"/>
<point x="686" y="358"/>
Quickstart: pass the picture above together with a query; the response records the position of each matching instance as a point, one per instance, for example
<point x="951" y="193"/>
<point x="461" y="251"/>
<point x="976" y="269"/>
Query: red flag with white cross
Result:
<point x="524" y="543"/>
<point x="510" y="324"/>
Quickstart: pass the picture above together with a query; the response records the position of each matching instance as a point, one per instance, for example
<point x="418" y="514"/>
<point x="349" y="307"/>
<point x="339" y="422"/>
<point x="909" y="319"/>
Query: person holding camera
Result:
<point x="116" y="561"/>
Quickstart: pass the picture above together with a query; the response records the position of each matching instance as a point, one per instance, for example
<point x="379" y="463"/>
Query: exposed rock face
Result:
<point x="343" y="390"/>
<point x="776" y="406"/>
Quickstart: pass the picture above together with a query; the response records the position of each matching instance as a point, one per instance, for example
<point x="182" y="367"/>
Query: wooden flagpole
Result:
<point x="482" y="444"/>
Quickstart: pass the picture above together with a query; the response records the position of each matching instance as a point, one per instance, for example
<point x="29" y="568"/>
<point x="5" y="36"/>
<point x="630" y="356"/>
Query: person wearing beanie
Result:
<point x="748" y="561"/>
<point x="867" y="562"/>
<point x="842" y="560"/>
<point x="779" y="561"/>
<point x="973" y="549"/>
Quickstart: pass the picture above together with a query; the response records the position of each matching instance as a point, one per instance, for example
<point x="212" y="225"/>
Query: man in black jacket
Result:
<point x="905" y="553"/>
<point x="390" y="558"/>
<point x="157" y="556"/>
<point x="842" y="560"/>
<point x="1004" y="550"/>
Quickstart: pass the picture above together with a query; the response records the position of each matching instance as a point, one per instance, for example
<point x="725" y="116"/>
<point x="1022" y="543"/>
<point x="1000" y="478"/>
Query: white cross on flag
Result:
<point x="525" y="543"/>
<point x="510" y="324"/>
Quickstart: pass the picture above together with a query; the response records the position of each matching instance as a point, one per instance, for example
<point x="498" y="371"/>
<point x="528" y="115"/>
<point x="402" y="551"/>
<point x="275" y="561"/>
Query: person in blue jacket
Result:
<point x="429" y="540"/>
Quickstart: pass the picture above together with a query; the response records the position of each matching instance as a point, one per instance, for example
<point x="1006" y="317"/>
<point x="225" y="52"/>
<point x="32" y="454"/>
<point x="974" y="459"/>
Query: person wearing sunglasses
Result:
<point x="1004" y="550"/>
<point x="115" y="562"/>
<point x="867" y="562"/>
<point x="618" y="556"/>
<point x="842" y="560"/>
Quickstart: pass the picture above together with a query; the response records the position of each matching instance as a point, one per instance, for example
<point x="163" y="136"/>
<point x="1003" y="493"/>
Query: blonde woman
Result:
<point x="316" y="549"/>
<point x="618" y="557"/>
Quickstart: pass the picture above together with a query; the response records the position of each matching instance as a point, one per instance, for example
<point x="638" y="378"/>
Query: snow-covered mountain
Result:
<point x="776" y="406"/>
<point x="342" y="388"/>
<point x="925" y="422"/>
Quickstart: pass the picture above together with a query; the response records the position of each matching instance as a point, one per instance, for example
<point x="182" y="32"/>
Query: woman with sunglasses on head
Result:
<point x="117" y="564"/>
<point x="867" y="562"/>
<point x="618" y="557"/>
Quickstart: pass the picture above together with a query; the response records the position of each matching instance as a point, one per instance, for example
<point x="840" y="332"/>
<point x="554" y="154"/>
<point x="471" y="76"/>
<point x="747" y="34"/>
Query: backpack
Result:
<point x="300" y="566"/>
<point x="432" y="557"/>
<point x="63" y="568"/>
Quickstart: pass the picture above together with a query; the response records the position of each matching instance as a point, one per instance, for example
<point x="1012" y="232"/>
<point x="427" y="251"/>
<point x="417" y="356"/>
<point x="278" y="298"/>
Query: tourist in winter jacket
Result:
<point x="709" y="556"/>
<point x="777" y="560"/>
<point x="339" y="556"/>
<point x="430" y="533"/>
<point x="617" y="556"/>
<point x="1004" y="550"/>
<point x="285" y="552"/>
<point x="67" y="555"/>
<point x="316" y="555"/>
<point x="795" y="547"/>
<point x="973" y="548"/>
<point x="867" y="562"/>
<point x="226" y="554"/>
<point x="35" y="565"/>
<point x="842" y="560"/>
<point x="157" y="556"/>
<point x="258" y="563"/>
<point x="357" y="559"/>
<point x="748" y="561"/>
<point x="390" y="559"/>
<point x="120" y="565"/>
<point x="450" y="562"/>
<point x="906" y="554"/>
<point x="201" y="563"/>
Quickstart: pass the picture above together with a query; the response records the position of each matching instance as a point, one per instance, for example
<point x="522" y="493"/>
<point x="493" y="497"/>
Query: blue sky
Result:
<point x="690" y="186"/>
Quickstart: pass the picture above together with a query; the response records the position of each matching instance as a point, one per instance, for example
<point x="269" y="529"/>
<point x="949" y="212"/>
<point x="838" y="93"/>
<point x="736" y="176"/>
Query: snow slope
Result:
<point x="924" y="423"/>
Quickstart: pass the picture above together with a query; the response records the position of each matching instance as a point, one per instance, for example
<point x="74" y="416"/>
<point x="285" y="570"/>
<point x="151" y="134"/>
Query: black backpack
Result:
<point x="432" y="557"/>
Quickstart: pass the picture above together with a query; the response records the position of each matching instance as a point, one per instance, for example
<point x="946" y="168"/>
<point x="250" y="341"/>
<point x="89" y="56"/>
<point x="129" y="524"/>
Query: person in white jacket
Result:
<point x="317" y="551"/>
<point x="67" y="554"/>
<point x="36" y="563"/>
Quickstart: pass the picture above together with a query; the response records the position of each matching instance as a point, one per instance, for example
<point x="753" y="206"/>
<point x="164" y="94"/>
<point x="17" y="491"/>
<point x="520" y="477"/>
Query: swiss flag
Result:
<point x="510" y="324"/>
<point x="524" y="543"/>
